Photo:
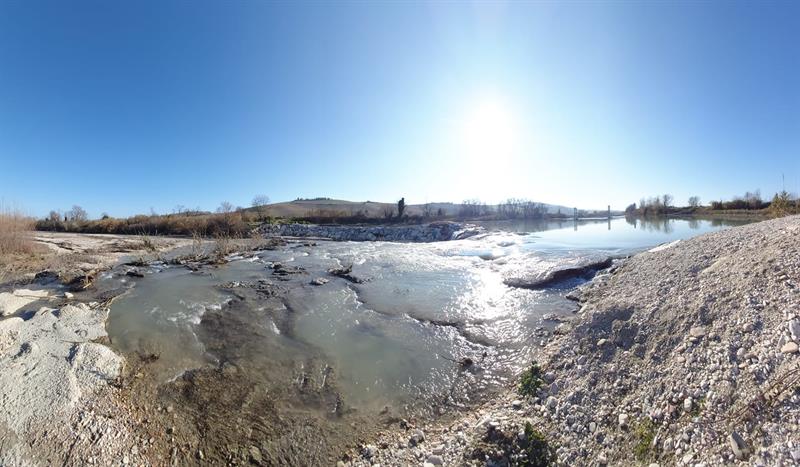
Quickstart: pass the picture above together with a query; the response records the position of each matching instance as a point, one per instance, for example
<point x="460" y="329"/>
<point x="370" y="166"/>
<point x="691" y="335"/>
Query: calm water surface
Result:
<point x="392" y="339"/>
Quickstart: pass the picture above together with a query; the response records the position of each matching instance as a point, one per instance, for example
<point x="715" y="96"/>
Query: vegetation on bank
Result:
<point x="13" y="226"/>
<point x="530" y="381"/>
<point x="749" y="205"/>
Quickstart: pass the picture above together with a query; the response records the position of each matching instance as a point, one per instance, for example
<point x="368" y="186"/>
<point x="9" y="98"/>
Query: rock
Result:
<point x="416" y="437"/>
<point x="11" y="302"/>
<point x="516" y="404"/>
<point x="687" y="404"/>
<point x="438" y="450"/>
<point x="578" y="267"/>
<point x="551" y="403"/>
<point x="370" y="450"/>
<point x="738" y="446"/>
<point x="134" y="273"/>
<point x="69" y="295"/>
<point x="319" y="281"/>
<point x="622" y="420"/>
<point x="697" y="331"/>
<point x="789" y="347"/>
<point x="435" y="460"/>
<point x="794" y="329"/>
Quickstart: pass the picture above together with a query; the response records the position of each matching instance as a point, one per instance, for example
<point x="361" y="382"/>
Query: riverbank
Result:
<point x="685" y="355"/>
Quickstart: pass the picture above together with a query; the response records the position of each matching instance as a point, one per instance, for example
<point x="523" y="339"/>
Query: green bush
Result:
<point x="538" y="452"/>
<point x="644" y="434"/>
<point x="531" y="380"/>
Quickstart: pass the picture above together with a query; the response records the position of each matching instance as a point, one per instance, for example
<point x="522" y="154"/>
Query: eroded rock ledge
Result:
<point x="433" y="232"/>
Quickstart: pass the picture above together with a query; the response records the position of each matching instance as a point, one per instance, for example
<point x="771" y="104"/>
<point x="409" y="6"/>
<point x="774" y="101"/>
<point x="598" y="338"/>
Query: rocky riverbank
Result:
<point x="684" y="355"/>
<point x="433" y="232"/>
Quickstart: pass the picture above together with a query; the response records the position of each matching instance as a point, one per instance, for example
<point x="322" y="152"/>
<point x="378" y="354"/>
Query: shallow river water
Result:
<point x="390" y="340"/>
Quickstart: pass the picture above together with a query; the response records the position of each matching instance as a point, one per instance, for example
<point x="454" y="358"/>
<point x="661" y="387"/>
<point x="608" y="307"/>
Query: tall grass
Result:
<point x="14" y="228"/>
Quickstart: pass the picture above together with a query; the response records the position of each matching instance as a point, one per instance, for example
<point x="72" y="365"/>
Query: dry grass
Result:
<point x="17" y="249"/>
<point x="14" y="228"/>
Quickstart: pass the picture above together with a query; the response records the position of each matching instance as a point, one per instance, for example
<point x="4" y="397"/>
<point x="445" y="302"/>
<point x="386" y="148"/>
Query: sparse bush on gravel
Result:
<point x="644" y="433"/>
<point x="537" y="451"/>
<point x="531" y="380"/>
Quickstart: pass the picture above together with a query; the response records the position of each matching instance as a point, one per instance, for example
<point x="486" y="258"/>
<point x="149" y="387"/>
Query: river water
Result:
<point x="391" y="340"/>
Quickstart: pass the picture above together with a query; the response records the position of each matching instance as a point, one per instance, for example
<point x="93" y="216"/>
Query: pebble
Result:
<point x="697" y="331"/>
<point x="738" y="446"/>
<point x="435" y="460"/>
<point x="416" y="437"/>
<point x="687" y="404"/>
<point x="789" y="347"/>
<point x="623" y="420"/>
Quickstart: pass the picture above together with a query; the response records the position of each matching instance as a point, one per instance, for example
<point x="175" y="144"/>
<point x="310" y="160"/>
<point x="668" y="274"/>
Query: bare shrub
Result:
<point x="14" y="226"/>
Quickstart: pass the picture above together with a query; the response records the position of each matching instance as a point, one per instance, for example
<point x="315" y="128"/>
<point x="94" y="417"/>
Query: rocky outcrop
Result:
<point x="48" y="366"/>
<point x="582" y="268"/>
<point x="433" y="232"/>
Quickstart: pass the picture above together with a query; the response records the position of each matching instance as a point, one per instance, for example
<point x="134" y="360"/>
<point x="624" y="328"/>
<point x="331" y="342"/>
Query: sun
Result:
<point x="488" y="132"/>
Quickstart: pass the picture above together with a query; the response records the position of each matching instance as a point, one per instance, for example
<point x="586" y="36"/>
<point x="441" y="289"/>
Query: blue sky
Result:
<point x="127" y="106"/>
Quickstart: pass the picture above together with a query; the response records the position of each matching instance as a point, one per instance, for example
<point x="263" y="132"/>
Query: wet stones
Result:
<point x="319" y="281"/>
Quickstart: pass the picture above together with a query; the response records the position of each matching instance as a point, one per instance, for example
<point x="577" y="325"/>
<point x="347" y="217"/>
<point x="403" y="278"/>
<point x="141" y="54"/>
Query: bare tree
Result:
<point x="54" y="216"/>
<point x="77" y="214"/>
<point x="694" y="201"/>
<point x="225" y="207"/>
<point x="401" y="207"/>
<point x="427" y="210"/>
<point x="260" y="200"/>
<point x="666" y="200"/>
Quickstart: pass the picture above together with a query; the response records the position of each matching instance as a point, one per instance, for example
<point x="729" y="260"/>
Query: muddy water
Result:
<point x="250" y="352"/>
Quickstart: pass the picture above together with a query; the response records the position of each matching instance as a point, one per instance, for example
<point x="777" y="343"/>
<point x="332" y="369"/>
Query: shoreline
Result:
<point x="682" y="355"/>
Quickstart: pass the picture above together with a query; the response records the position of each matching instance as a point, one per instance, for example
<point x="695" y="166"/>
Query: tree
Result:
<point x="54" y="216"/>
<point x="401" y="207"/>
<point x="666" y="201"/>
<point x="260" y="200"/>
<point x="225" y="207"/>
<point x="694" y="201"/>
<point x="427" y="210"/>
<point x="77" y="214"/>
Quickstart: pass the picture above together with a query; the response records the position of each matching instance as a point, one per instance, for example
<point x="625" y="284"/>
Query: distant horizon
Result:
<point x="187" y="208"/>
<point x="130" y="106"/>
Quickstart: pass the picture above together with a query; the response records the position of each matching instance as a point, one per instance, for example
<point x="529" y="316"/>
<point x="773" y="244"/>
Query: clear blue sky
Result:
<point x="124" y="106"/>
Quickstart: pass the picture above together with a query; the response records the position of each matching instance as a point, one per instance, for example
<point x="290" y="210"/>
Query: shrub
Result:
<point x="13" y="228"/>
<point x="538" y="452"/>
<point x="644" y="434"/>
<point x="531" y="380"/>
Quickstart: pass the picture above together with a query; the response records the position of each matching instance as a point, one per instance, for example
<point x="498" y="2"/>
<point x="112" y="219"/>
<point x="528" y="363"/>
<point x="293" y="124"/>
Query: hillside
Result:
<point x="325" y="207"/>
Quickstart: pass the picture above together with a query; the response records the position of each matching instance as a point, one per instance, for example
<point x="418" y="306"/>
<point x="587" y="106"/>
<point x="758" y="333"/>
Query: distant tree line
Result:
<point x="781" y="204"/>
